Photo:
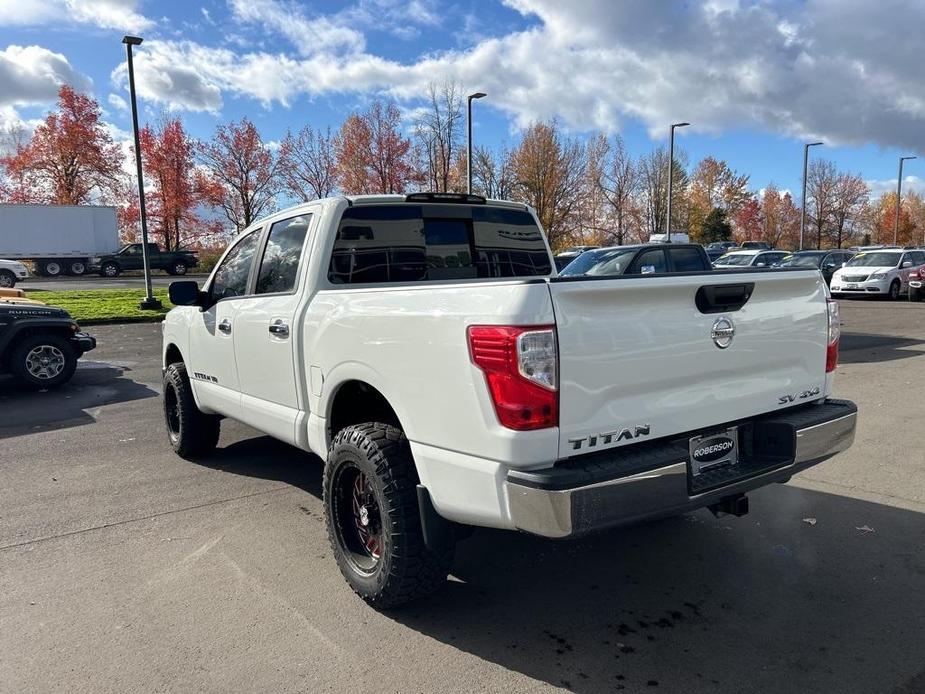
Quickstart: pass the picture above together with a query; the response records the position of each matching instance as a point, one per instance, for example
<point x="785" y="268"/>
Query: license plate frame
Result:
<point x="851" y="285"/>
<point x="702" y="459"/>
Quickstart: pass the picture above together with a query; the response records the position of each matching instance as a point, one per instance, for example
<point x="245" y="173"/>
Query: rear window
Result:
<point x="415" y="243"/>
<point x="687" y="260"/>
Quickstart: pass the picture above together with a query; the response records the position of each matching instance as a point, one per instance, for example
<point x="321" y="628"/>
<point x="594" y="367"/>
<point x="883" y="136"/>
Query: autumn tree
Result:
<point x="821" y="183"/>
<point x="748" y="221"/>
<point x="492" y="173"/>
<point x="849" y="197"/>
<point x="619" y="183"/>
<point x="241" y="173"/>
<point x="372" y="155"/>
<point x="714" y="184"/>
<point x="308" y="164"/>
<point x="548" y="169"/>
<point x="71" y="158"/>
<point x="176" y="189"/>
<point x="780" y="218"/>
<point x="879" y="222"/>
<point x="653" y="174"/>
<point x="439" y="132"/>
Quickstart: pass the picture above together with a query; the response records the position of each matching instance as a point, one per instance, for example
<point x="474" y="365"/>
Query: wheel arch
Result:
<point x="354" y="401"/>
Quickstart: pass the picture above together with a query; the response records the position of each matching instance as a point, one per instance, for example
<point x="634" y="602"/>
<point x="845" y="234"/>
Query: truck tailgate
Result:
<point x="638" y="359"/>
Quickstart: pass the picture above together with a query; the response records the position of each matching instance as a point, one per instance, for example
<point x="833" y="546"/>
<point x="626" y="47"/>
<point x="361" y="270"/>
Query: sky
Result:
<point x="754" y="78"/>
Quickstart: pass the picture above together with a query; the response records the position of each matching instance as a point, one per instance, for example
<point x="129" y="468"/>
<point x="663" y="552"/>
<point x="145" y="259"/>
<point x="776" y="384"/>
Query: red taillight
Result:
<point x="520" y="365"/>
<point x="834" y="333"/>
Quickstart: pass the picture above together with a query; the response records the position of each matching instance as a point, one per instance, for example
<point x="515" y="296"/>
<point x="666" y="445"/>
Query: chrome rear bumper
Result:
<point x="550" y="503"/>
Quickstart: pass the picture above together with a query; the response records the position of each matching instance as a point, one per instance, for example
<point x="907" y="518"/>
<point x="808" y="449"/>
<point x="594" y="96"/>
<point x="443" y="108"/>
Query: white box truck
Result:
<point x="59" y="239"/>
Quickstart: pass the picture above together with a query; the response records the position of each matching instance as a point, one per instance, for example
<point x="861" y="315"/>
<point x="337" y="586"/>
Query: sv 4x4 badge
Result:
<point x="811" y="393"/>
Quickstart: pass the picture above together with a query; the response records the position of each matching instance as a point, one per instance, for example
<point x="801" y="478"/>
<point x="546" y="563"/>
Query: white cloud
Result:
<point x="881" y="187"/>
<point x="107" y="14"/>
<point x="309" y="34"/>
<point x="816" y="69"/>
<point x="118" y="103"/>
<point x="33" y="75"/>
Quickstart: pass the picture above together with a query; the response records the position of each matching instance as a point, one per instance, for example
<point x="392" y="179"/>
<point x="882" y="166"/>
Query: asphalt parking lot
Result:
<point x="125" y="568"/>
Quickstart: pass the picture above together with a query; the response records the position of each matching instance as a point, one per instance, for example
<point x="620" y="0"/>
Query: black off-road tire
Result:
<point x="406" y="569"/>
<point x="19" y="360"/>
<point x="191" y="432"/>
<point x="7" y="279"/>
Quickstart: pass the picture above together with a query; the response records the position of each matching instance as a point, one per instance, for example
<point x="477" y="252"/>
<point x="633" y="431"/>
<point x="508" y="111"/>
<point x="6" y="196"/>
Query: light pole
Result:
<point x="803" y="198"/>
<point x="476" y="95"/>
<point x="899" y="192"/>
<point x="149" y="302"/>
<point x="671" y="176"/>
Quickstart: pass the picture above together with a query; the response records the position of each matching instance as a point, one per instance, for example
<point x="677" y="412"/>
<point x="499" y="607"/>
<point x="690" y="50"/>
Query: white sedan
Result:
<point x="749" y="258"/>
<point x="883" y="272"/>
<point x="11" y="271"/>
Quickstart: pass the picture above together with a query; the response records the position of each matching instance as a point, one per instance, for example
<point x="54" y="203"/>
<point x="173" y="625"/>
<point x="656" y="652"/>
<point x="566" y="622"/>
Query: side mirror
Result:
<point x="761" y="264"/>
<point x="845" y="264"/>
<point x="907" y="263"/>
<point x="186" y="293"/>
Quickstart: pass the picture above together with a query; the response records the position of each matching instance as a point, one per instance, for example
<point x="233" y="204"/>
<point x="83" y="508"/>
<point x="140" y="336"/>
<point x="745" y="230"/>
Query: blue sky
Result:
<point x="755" y="78"/>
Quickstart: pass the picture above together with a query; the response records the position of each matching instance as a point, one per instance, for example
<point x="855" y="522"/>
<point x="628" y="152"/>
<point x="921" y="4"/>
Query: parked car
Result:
<point x="563" y="259"/>
<point x="131" y="257"/>
<point x="644" y="259"/>
<point x="422" y="346"/>
<point x="756" y="246"/>
<point x="826" y="261"/>
<point x="879" y="273"/>
<point x="39" y="344"/>
<point x="11" y="271"/>
<point x="916" y="282"/>
<point x="749" y="258"/>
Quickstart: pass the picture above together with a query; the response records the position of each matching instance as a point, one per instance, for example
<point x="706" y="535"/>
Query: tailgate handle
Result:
<point x="723" y="298"/>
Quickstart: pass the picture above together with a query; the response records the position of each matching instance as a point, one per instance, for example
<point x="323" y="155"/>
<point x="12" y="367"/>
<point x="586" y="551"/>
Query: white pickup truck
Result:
<point x="425" y="349"/>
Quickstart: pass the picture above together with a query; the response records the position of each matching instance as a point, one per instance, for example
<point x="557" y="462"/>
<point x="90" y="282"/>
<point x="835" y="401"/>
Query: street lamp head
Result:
<point x="814" y="144"/>
<point x="679" y="125"/>
<point x="132" y="40"/>
<point x="907" y="158"/>
<point x="477" y="95"/>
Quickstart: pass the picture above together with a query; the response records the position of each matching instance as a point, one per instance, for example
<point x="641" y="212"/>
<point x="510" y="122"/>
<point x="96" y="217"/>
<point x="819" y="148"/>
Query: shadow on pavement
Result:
<point x="94" y="384"/>
<point x="764" y="603"/>
<point x="266" y="458"/>
<point x="811" y="592"/>
<point x="864" y="348"/>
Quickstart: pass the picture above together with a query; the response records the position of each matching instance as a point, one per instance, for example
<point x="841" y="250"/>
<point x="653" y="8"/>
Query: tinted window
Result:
<point x="280" y="264"/>
<point x="686" y="260"/>
<point x="231" y="276"/>
<point x="918" y="257"/>
<point x="410" y="243"/>
<point x="649" y="262"/>
<point x="610" y="261"/>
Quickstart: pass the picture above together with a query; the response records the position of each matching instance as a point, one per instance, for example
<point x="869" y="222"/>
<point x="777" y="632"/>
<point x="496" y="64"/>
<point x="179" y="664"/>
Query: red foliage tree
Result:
<point x="372" y="156"/>
<point x="242" y="173"/>
<point x="748" y="220"/>
<point x="177" y="189"/>
<point x="71" y="158"/>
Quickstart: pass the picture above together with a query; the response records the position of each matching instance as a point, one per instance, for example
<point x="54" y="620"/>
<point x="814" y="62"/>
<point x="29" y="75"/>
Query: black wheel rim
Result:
<point x="172" y="413"/>
<point x="357" y="519"/>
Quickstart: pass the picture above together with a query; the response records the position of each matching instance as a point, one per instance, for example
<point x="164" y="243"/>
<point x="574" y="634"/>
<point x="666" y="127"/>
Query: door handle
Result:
<point x="279" y="328"/>
<point x="225" y="326"/>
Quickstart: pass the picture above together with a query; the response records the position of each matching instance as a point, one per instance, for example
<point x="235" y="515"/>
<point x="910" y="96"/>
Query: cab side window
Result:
<point x="231" y="277"/>
<point x="918" y="258"/>
<point x="280" y="265"/>
<point x="649" y="262"/>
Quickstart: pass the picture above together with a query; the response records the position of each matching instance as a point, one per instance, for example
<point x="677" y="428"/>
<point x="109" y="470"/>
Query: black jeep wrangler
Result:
<point x="39" y="345"/>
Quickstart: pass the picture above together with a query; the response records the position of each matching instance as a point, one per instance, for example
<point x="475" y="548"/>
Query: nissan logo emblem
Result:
<point x="723" y="332"/>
